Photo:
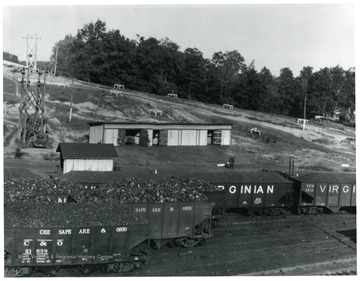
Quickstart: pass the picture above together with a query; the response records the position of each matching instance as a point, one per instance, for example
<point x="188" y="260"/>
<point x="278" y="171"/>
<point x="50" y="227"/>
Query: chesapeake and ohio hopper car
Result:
<point x="185" y="224"/>
<point x="48" y="236"/>
<point x="92" y="229"/>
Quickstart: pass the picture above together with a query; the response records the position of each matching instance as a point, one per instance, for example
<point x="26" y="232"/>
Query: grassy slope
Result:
<point x="321" y="146"/>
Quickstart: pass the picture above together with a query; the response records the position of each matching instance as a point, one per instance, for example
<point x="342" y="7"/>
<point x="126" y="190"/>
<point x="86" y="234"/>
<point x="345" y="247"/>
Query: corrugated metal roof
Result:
<point x="243" y="177"/>
<point x="87" y="151"/>
<point x="327" y="177"/>
<point x="154" y="123"/>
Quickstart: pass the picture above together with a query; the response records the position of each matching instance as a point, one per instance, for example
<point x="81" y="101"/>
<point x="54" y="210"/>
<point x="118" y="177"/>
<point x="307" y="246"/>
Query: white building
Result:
<point x="86" y="157"/>
<point x="163" y="134"/>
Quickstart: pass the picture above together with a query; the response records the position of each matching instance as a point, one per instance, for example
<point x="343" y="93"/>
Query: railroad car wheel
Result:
<point x="173" y="243"/>
<point x="30" y="145"/>
<point x="274" y="211"/>
<point x="189" y="243"/>
<point x="214" y="223"/>
<point x="49" y="146"/>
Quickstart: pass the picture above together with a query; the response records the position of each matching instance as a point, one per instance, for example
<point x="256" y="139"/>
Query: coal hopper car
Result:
<point x="46" y="237"/>
<point x="184" y="224"/>
<point x="316" y="192"/>
<point x="266" y="193"/>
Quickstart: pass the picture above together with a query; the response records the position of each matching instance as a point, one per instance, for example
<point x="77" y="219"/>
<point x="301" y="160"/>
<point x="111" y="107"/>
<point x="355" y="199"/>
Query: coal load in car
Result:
<point x="30" y="215"/>
<point x="34" y="189"/>
<point x="135" y="190"/>
<point x="122" y="190"/>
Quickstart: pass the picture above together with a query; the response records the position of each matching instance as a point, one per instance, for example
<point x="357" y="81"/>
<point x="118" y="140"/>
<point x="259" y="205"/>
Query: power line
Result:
<point x="31" y="50"/>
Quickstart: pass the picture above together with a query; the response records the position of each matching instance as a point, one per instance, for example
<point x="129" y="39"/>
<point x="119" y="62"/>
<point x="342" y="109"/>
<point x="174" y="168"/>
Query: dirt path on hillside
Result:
<point x="311" y="132"/>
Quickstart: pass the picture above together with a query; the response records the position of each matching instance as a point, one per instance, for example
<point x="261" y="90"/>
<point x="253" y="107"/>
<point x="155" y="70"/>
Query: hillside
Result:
<point x="322" y="146"/>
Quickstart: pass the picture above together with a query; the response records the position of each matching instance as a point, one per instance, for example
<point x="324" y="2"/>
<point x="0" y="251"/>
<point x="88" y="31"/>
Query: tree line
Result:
<point x="107" y="57"/>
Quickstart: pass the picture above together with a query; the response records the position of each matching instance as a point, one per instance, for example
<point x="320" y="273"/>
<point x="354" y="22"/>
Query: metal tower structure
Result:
<point x="31" y="50"/>
<point x="32" y="120"/>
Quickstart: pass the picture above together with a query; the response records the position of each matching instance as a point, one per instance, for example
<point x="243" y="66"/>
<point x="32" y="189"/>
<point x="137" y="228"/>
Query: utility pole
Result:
<point x="71" y="103"/>
<point x="304" y="112"/>
<point x="304" y="87"/>
<point x="56" y="55"/>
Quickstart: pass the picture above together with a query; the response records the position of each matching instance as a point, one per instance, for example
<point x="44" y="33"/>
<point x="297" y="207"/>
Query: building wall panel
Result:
<point x="203" y="137"/>
<point x="111" y="137"/>
<point x="188" y="137"/>
<point x="226" y="137"/>
<point x="102" y="165"/>
<point x="173" y="138"/>
<point x="96" y="134"/>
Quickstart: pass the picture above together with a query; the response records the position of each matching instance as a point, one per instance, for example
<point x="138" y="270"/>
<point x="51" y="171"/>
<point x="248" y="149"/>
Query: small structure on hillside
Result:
<point x="300" y="120"/>
<point x="86" y="157"/>
<point x="228" y="106"/>
<point x="118" y="86"/>
<point x="171" y="95"/>
<point x="255" y="131"/>
<point x="116" y="93"/>
<point x="64" y="85"/>
<point x="155" y="112"/>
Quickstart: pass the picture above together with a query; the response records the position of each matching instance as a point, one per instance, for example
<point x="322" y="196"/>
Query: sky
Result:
<point x="274" y="36"/>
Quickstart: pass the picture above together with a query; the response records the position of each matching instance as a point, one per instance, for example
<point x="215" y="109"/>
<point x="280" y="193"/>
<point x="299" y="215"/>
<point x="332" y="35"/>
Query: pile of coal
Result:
<point x="122" y="190"/>
<point x="29" y="189"/>
<point x="32" y="215"/>
<point x="135" y="190"/>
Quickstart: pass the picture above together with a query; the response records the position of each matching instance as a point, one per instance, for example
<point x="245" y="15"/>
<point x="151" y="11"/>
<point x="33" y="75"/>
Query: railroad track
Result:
<point x="280" y="246"/>
<point x="335" y="267"/>
<point x="260" y="246"/>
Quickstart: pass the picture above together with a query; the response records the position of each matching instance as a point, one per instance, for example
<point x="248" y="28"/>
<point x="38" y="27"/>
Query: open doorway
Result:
<point x="214" y="137"/>
<point x="156" y="137"/>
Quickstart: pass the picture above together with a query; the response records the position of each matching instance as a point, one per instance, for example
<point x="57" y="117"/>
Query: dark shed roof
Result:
<point x="243" y="177"/>
<point x="327" y="177"/>
<point x="86" y="151"/>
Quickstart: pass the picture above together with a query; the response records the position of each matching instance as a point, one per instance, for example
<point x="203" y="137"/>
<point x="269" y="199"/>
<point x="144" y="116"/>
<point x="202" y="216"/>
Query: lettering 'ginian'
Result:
<point x="256" y="189"/>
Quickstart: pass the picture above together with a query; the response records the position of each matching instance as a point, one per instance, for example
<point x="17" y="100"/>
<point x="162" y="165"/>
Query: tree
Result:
<point x="193" y="76"/>
<point x="227" y="66"/>
<point x="158" y="66"/>
<point x="10" y="57"/>
<point x="92" y="32"/>
<point x="63" y="57"/>
<point x="320" y="98"/>
<point x="302" y="86"/>
<point x="269" y="98"/>
<point x="150" y="64"/>
<point x="285" y="84"/>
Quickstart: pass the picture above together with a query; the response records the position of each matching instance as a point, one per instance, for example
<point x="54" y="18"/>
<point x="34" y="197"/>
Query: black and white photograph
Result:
<point x="179" y="139"/>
